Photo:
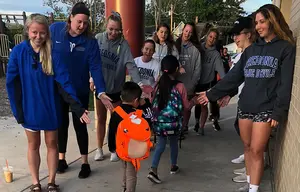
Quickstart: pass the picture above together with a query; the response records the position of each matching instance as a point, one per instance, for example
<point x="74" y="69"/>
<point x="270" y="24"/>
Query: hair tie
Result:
<point x="116" y="14"/>
<point x="166" y="71"/>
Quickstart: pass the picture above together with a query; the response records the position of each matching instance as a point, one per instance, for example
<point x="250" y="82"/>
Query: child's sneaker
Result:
<point x="114" y="157"/>
<point x="153" y="177"/>
<point x="174" y="169"/>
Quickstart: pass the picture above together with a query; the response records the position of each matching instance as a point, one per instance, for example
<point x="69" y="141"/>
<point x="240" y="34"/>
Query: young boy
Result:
<point x="130" y="96"/>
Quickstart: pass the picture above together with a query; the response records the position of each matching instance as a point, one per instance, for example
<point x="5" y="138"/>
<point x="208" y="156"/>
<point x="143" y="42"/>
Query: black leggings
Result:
<point x="80" y="129"/>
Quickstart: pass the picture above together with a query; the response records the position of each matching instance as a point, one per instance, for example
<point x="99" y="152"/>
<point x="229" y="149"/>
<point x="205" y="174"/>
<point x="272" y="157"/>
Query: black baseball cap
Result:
<point x="241" y="24"/>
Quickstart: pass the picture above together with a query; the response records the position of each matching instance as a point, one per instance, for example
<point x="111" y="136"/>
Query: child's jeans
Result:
<point x="160" y="148"/>
<point x="129" y="177"/>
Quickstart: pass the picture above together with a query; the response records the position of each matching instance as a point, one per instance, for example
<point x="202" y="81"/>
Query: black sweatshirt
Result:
<point x="267" y="69"/>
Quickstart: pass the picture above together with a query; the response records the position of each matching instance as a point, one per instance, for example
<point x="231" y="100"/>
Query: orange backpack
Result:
<point x="133" y="137"/>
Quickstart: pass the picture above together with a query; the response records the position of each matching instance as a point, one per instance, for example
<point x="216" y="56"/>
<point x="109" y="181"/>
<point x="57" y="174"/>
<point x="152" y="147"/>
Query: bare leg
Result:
<point x="245" y="126"/>
<point x="204" y="114"/>
<point x="52" y="154"/>
<point x="260" y="136"/>
<point x="33" y="154"/>
<point x="101" y="124"/>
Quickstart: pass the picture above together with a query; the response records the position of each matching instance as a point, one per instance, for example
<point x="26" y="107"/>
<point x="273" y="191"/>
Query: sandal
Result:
<point x="36" y="188"/>
<point x="52" y="187"/>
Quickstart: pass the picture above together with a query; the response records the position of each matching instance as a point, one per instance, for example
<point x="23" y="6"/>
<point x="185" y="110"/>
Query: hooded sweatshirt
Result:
<point x="81" y="55"/>
<point x="116" y="57"/>
<point x="161" y="50"/>
<point x="33" y="95"/>
<point x="267" y="69"/>
<point x="211" y="62"/>
<point x="190" y="59"/>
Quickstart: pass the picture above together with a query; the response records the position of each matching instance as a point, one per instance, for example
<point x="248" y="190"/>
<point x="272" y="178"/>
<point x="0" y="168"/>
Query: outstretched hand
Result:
<point x="181" y="70"/>
<point x="224" y="101"/>
<point x="92" y="86"/>
<point x="273" y="122"/>
<point x="85" y="118"/>
<point x="106" y="102"/>
<point x="202" y="98"/>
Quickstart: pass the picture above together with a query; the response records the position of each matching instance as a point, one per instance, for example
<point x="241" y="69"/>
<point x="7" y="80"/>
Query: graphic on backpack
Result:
<point x="168" y="121"/>
<point x="133" y="137"/>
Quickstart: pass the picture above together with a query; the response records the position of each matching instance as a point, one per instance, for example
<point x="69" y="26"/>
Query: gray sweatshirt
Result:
<point x="190" y="59"/>
<point x="211" y="62"/>
<point x="116" y="57"/>
<point x="162" y="50"/>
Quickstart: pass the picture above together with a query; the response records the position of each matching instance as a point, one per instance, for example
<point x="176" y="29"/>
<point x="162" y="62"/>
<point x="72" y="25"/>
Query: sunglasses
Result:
<point x="35" y="58"/>
<point x="237" y="34"/>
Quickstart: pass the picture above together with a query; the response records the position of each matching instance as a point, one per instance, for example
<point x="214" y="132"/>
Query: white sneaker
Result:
<point x="240" y="178"/>
<point x="114" y="157"/>
<point x="240" y="159"/>
<point x="244" y="188"/>
<point x="99" y="156"/>
<point x="240" y="171"/>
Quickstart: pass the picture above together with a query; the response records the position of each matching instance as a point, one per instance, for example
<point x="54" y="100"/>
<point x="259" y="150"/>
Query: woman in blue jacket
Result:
<point x="267" y="68"/>
<point x="35" y="78"/>
<point x="80" y="52"/>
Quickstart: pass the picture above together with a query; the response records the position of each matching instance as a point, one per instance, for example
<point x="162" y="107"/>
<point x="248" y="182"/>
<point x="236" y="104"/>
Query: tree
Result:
<point x="218" y="11"/>
<point x="96" y="8"/>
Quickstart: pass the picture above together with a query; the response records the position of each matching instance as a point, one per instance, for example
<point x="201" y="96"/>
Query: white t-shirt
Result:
<point x="234" y="60"/>
<point x="149" y="71"/>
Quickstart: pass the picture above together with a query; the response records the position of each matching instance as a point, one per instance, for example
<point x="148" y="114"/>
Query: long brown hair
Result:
<point x="277" y="23"/>
<point x="45" y="50"/>
<point x="88" y="30"/>
<point x="194" y="38"/>
<point x="169" y="41"/>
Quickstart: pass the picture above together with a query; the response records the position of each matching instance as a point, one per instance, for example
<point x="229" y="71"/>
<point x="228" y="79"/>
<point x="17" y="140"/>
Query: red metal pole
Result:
<point x="132" y="13"/>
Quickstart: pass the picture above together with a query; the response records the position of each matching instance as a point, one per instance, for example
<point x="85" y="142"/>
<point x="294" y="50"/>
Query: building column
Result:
<point x="132" y="13"/>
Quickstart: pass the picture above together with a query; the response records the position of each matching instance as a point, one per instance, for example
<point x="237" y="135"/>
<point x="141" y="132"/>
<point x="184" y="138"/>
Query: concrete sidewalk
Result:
<point x="204" y="162"/>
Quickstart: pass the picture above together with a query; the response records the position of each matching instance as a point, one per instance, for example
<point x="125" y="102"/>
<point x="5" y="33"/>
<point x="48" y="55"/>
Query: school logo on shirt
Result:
<point x="261" y="67"/>
<point x="114" y="58"/>
<point x="146" y="73"/>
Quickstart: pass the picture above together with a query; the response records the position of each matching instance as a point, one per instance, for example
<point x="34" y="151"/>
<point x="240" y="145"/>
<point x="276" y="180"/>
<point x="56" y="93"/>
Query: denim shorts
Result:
<point x="255" y="117"/>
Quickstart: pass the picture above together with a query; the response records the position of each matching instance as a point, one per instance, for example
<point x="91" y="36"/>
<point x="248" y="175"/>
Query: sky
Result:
<point x="37" y="5"/>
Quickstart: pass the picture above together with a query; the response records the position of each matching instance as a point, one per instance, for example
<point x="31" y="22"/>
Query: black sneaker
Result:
<point x="62" y="166"/>
<point x="174" y="169"/>
<point x="211" y="117"/>
<point x="85" y="171"/>
<point x="196" y="128"/>
<point x="153" y="177"/>
<point x="216" y="126"/>
<point x="201" y="132"/>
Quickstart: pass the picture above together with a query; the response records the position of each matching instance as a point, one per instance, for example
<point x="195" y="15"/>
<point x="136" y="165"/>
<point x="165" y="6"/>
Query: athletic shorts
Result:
<point x="255" y="117"/>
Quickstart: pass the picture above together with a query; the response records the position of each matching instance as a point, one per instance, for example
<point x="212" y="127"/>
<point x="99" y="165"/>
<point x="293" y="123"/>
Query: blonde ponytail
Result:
<point x="45" y="50"/>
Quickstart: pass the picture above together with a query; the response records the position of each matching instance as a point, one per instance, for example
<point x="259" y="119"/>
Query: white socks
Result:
<point x="248" y="179"/>
<point x="253" y="188"/>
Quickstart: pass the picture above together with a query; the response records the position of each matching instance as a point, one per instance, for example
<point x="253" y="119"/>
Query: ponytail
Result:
<point x="169" y="66"/>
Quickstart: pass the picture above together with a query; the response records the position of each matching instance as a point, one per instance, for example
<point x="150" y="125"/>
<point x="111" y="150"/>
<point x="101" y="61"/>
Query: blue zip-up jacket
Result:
<point x="81" y="55"/>
<point x="33" y="95"/>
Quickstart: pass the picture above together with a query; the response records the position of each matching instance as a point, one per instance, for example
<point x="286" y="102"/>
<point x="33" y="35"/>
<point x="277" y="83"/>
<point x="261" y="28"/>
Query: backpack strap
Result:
<point x="121" y="112"/>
